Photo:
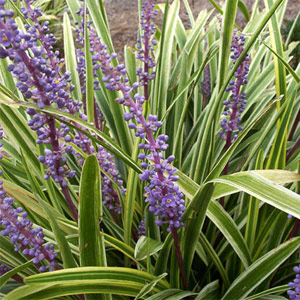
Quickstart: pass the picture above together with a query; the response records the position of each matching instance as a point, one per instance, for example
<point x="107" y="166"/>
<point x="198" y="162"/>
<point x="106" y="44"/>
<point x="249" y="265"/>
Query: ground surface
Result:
<point x="123" y="19"/>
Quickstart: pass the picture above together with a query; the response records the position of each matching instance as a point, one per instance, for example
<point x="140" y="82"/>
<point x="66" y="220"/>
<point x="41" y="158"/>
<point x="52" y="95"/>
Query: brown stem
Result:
<point x="134" y="234"/>
<point x="56" y="149"/>
<point x="179" y="257"/>
<point x="295" y="229"/>
<point x="70" y="203"/>
<point x="297" y="120"/>
<point x="290" y="153"/>
<point x="97" y="125"/>
<point x="18" y="279"/>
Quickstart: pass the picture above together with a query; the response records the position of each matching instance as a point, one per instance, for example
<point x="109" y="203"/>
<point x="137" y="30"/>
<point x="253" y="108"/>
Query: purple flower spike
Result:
<point x="21" y="232"/>
<point x="294" y="291"/>
<point x="109" y="195"/>
<point x="163" y="195"/>
<point x="205" y="86"/>
<point x="142" y="230"/>
<point x="3" y="269"/>
<point x="146" y="42"/>
<point x="234" y="107"/>
<point x="40" y="81"/>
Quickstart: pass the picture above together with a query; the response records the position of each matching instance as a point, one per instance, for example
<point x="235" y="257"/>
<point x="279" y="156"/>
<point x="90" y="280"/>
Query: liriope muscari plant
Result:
<point x="165" y="66"/>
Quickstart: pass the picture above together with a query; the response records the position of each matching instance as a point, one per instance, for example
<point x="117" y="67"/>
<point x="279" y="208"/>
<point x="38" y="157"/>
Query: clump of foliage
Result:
<point x="166" y="177"/>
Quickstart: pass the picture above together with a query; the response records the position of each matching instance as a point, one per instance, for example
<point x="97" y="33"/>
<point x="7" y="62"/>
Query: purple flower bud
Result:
<point x="135" y="85"/>
<point x="42" y="159"/>
<point x="141" y="156"/>
<point x="131" y="125"/>
<point x="127" y="116"/>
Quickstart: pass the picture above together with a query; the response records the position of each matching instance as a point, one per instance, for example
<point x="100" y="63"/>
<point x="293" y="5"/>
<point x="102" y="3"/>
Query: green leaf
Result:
<point x="159" y="103"/>
<point x="215" y="258"/>
<point x="130" y="198"/>
<point x="149" y="287"/>
<point x="279" y="176"/>
<point x="119" y="281"/>
<point x="90" y="212"/>
<point x="285" y="63"/>
<point x="277" y="45"/>
<point x="74" y="6"/>
<point x="193" y="226"/>
<point x="216" y="6"/>
<point x="210" y="291"/>
<point x="123" y="248"/>
<point x="65" y="251"/>
<point x="70" y="56"/>
<point x="204" y="139"/>
<point x="260" y="270"/>
<point x="280" y="78"/>
<point x="15" y="126"/>
<point x="230" y="230"/>
<point x="161" y="262"/>
<point x="254" y="183"/>
<point x="227" y="30"/>
<point x="8" y="79"/>
<point x="90" y="107"/>
<point x="271" y="291"/>
<point x="146" y="246"/>
<point x="219" y="166"/>
<point x="22" y="292"/>
<point x="91" y="243"/>
<point x="122" y="134"/>
<point x="253" y="211"/>
<point x="130" y="63"/>
<point x="243" y="8"/>
<point x="171" y="294"/>
<point x="279" y="144"/>
<point x="264" y="134"/>
<point x="265" y="190"/>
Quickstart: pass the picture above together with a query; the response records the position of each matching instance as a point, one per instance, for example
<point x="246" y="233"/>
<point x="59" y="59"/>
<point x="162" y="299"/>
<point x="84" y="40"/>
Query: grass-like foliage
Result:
<point x="172" y="175"/>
